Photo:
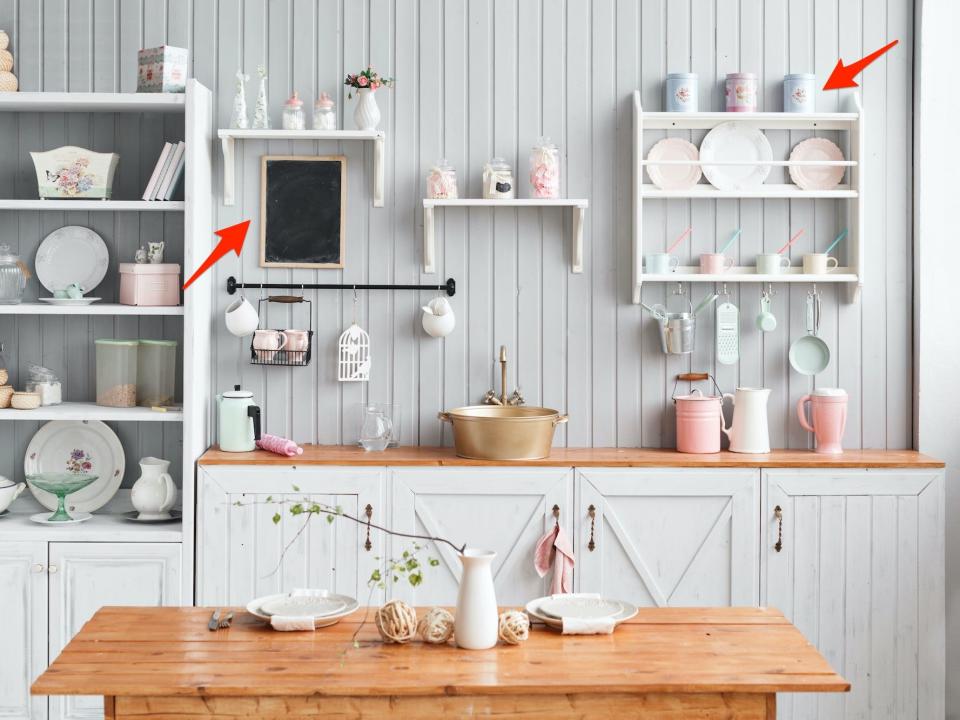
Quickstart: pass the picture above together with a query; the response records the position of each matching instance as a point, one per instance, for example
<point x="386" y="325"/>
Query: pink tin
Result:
<point x="149" y="284"/>
<point x="828" y="418"/>
<point x="741" y="91"/>
<point x="699" y="418"/>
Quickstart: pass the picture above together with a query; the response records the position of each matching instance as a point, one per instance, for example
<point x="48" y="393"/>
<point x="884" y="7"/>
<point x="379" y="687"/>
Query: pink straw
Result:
<point x="792" y="241"/>
<point x="679" y="240"/>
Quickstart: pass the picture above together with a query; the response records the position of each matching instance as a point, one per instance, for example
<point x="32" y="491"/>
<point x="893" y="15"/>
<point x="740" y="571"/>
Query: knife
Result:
<point x="214" y="620"/>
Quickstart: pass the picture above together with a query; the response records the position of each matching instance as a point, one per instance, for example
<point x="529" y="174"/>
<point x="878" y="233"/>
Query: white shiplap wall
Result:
<point x="488" y="77"/>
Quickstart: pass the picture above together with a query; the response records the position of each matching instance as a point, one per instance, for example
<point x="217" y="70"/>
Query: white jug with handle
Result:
<point x="155" y="493"/>
<point x="748" y="432"/>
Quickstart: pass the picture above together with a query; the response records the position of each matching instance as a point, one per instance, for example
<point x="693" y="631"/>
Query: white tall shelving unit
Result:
<point x="196" y="105"/>
<point x="851" y="122"/>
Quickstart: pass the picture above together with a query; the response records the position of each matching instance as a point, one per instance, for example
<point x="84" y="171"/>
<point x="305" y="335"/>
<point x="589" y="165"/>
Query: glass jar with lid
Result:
<point x="545" y="169"/>
<point x="442" y="181"/>
<point x="13" y="278"/>
<point x="117" y="372"/>
<point x="324" y="113"/>
<point x="293" y="118"/>
<point x="156" y="372"/>
<point x="498" y="180"/>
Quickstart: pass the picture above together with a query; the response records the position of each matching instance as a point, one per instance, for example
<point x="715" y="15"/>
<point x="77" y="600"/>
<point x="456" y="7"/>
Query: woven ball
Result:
<point x="4" y="40"/>
<point x="6" y="60"/>
<point x="514" y="627"/>
<point x="436" y="626"/>
<point x="396" y="622"/>
<point x="3" y="376"/>
<point x="8" y="82"/>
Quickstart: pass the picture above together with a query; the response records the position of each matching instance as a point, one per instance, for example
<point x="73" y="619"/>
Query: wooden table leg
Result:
<point x="109" y="707"/>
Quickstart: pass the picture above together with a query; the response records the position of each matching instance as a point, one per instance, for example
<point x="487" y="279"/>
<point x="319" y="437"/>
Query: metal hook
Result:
<point x="725" y="293"/>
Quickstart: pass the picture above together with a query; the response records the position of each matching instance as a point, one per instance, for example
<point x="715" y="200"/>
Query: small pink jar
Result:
<point x="699" y="422"/>
<point x="741" y="92"/>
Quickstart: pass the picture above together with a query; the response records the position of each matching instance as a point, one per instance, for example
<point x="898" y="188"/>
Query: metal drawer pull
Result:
<point x="778" y="514"/>
<point x="368" y="546"/>
<point x="556" y="514"/>
<point x="592" y="512"/>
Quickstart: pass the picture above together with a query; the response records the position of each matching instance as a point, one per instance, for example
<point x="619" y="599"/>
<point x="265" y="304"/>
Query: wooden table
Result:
<point x="163" y="664"/>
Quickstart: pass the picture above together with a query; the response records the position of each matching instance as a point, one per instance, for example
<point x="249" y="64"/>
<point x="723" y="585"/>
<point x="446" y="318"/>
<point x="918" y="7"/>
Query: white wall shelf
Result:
<point x="102" y="527"/>
<point x="92" y="411"/>
<point x="96" y="205"/>
<point x="228" y="138"/>
<point x="851" y="122"/>
<point x="579" y="206"/>
<point x="86" y="102"/>
<point x="31" y="308"/>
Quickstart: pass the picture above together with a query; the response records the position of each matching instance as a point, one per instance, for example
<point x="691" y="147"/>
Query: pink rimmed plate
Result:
<point x="813" y="177"/>
<point x="674" y="177"/>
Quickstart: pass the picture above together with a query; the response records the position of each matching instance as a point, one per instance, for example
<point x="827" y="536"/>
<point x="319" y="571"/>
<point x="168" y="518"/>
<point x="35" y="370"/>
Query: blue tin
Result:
<point x="681" y="92"/>
<point x="799" y="92"/>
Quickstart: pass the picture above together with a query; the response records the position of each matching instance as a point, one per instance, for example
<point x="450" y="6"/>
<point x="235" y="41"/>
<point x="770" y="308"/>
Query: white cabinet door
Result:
<point x="860" y="572"/>
<point x="503" y="509"/>
<point x="23" y="627"/>
<point x="243" y="554"/>
<point x="669" y="537"/>
<point x="83" y="577"/>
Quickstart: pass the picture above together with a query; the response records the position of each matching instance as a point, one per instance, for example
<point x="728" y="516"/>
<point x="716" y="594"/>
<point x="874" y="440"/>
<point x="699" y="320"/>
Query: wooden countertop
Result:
<point x="579" y="457"/>
<point x="142" y="652"/>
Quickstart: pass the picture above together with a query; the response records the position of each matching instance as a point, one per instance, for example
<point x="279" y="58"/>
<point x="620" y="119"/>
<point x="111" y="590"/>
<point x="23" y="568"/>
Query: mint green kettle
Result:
<point x="239" y="427"/>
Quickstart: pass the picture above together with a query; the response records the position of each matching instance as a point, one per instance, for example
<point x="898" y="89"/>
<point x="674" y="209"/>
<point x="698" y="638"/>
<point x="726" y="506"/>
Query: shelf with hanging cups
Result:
<point x="852" y="192"/>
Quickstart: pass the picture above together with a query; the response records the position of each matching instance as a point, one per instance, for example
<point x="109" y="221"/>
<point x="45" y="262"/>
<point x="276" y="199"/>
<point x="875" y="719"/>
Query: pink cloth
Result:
<point x="555" y="550"/>
<point x="279" y="445"/>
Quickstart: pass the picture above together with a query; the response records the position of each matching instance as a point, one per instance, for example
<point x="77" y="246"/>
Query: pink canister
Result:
<point x="741" y="91"/>
<point x="699" y="418"/>
<point x="828" y="418"/>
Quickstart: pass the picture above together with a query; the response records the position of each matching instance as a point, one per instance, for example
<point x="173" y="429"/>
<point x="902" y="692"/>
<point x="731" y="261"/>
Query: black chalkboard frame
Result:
<point x="265" y="220"/>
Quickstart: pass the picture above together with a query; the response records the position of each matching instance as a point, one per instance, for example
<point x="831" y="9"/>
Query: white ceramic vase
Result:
<point x="154" y="494"/>
<point x="366" y="116"/>
<point x="476" y="621"/>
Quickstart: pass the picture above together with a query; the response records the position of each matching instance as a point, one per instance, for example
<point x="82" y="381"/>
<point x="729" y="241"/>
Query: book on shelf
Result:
<point x="172" y="174"/>
<point x="157" y="173"/>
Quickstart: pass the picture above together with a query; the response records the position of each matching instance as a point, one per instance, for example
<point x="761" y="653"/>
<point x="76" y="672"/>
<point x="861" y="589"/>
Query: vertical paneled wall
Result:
<point x="488" y="77"/>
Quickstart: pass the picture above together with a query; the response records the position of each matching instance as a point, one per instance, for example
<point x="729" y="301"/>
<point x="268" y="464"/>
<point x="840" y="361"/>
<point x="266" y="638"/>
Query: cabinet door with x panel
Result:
<point x="669" y="537"/>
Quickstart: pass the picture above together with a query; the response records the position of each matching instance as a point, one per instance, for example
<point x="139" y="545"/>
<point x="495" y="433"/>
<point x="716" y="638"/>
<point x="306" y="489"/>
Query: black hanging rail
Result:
<point x="449" y="287"/>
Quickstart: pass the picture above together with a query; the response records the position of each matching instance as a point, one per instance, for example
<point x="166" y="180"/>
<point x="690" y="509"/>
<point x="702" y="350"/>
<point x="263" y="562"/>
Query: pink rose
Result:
<point x="362" y="81"/>
<point x="374" y="85"/>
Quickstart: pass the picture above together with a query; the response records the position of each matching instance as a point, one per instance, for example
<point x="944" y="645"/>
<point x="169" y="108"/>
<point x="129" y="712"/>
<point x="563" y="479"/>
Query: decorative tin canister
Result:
<point x="741" y="92"/>
<point x="73" y="172"/>
<point x="681" y="92"/>
<point x="162" y="69"/>
<point x="799" y="91"/>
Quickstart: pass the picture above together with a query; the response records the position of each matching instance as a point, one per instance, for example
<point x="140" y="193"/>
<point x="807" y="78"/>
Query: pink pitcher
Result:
<point x="828" y="415"/>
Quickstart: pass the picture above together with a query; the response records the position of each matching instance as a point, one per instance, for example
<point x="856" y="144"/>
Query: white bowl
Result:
<point x="9" y="491"/>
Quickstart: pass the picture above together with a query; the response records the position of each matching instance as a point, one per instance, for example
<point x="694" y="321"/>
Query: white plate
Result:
<point x="134" y="516"/>
<point x="305" y="606"/>
<point x="72" y="254"/>
<point x="735" y="141"/>
<point x="582" y="608"/>
<point x="68" y="446"/>
<point x="254" y="608"/>
<point x="627" y="611"/>
<point x="75" y="517"/>
<point x="70" y="301"/>
<point x="813" y="177"/>
<point x="674" y="177"/>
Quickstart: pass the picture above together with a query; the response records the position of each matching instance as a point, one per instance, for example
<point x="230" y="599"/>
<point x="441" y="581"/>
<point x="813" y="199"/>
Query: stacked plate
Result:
<point x="324" y="607"/>
<point x="581" y="607"/>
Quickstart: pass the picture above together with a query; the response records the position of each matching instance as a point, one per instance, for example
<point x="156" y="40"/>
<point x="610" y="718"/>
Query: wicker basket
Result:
<point x="6" y="392"/>
<point x="25" y="400"/>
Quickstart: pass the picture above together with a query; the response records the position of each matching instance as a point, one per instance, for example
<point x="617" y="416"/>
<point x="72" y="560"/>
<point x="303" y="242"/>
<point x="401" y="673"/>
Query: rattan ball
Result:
<point x="8" y="82"/>
<point x="4" y="376"/>
<point x="6" y="60"/>
<point x="397" y="622"/>
<point x="514" y="627"/>
<point x="4" y="40"/>
<point x="6" y="393"/>
<point x="436" y="626"/>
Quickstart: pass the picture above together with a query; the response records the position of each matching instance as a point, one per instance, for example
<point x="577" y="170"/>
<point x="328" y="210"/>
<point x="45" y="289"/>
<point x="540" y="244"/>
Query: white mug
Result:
<point x="269" y="340"/>
<point x="297" y="340"/>
<point x="772" y="263"/>
<point x="819" y="263"/>
<point x="661" y="263"/>
<point x="241" y="317"/>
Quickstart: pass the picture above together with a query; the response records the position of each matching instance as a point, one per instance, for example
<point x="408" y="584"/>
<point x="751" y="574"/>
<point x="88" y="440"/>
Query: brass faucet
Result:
<point x="491" y="396"/>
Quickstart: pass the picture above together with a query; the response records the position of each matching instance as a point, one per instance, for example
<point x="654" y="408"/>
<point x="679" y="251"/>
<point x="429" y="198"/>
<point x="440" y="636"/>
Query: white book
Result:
<point x="158" y="169"/>
<point x="164" y="185"/>
<point x="177" y="172"/>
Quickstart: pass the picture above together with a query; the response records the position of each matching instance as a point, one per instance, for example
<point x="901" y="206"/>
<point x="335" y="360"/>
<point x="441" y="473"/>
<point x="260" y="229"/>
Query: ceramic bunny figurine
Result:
<point x="155" y="252"/>
<point x="140" y="256"/>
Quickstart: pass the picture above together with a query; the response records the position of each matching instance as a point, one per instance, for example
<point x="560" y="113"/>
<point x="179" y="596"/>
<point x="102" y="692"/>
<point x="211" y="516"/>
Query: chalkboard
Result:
<point x="303" y="205"/>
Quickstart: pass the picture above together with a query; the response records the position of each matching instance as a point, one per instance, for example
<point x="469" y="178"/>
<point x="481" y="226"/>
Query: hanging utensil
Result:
<point x="706" y="301"/>
<point x="809" y="354"/>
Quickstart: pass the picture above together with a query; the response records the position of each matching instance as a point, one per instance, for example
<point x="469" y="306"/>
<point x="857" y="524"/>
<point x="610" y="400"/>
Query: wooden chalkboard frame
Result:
<point x="264" y="159"/>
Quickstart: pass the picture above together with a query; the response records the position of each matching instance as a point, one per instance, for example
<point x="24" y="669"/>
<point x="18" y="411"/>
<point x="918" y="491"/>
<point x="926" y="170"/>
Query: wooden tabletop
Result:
<point x="579" y="457"/>
<point x="169" y="652"/>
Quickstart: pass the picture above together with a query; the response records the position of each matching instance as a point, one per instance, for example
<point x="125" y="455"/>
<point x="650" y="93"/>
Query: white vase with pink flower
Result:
<point x="366" y="115"/>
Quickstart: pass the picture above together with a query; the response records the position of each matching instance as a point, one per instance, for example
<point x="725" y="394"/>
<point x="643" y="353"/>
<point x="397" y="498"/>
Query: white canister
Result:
<point x="681" y="89"/>
<point x="741" y="92"/>
<point x="799" y="92"/>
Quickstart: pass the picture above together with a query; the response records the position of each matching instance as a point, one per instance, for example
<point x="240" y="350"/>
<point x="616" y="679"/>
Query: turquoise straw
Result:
<point x="836" y="242"/>
<point x="732" y="240"/>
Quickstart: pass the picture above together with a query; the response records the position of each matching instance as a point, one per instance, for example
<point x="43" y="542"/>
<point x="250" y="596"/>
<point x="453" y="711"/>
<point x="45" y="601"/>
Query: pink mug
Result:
<point x="828" y="418"/>
<point x="714" y="263"/>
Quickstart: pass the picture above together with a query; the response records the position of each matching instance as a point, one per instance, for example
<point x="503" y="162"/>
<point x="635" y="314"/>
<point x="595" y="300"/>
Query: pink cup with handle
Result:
<point x="828" y="418"/>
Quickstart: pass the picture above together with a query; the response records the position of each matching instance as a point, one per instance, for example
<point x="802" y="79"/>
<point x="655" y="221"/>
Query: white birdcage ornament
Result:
<point x="354" y="351"/>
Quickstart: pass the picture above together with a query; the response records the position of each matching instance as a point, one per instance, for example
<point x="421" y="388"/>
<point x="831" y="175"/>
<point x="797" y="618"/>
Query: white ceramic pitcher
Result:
<point x="748" y="432"/>
<point x="155" y="493"/>
<point x="477" y="618"/>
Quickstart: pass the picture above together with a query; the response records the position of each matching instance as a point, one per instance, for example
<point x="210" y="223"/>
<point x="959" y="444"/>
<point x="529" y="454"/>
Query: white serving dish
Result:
<point x="532" y="608"/>
<point x="75" y="173"/>
<point x="254" y="607"/>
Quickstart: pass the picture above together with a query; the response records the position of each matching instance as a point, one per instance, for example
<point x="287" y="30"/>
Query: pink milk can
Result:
<point x="828" y="418"/>
<point x="699" y="418"/>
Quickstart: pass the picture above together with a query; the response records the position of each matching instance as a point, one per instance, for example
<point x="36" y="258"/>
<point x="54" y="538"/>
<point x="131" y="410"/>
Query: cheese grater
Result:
<point x="728" y="333"/>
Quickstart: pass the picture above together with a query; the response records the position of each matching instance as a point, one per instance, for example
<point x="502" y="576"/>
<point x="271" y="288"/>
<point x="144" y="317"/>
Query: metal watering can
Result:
<point x="678" y="329"/>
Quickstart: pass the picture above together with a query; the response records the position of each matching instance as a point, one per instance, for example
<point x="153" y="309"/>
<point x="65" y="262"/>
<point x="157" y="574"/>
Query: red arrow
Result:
<point x="842" y="75"/>
<point x="231" y="238"/>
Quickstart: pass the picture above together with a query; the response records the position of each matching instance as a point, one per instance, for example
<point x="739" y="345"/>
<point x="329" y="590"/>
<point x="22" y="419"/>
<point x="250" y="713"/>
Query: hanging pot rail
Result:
<point x="449" y="287"/>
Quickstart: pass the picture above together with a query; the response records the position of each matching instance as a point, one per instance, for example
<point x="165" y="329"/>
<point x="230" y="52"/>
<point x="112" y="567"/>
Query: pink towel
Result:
<point x="556" y="551"/>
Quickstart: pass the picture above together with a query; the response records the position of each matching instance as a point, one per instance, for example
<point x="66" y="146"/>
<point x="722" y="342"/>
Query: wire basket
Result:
<point x="283" y="357"/>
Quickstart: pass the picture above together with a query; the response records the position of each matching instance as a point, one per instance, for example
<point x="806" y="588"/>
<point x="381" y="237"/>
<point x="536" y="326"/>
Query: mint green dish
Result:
<point x="60" y="484"/>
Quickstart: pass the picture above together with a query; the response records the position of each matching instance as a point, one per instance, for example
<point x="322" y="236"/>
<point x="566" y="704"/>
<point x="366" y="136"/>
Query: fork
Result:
<point x="226" y="620"/>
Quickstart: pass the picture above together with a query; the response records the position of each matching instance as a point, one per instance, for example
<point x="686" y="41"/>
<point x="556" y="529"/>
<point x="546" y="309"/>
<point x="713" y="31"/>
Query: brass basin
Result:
<point x="503" y="432"/>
